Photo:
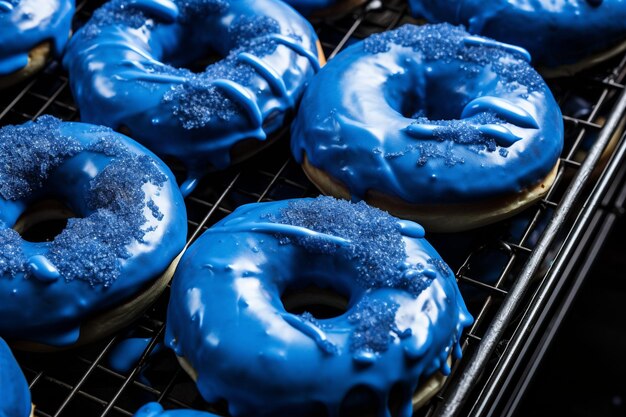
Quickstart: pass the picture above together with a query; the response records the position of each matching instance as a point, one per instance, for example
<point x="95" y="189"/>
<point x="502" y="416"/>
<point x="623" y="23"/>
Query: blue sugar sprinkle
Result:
<point x="444" y="42"/>
<point x="121" y="12"/>
<point x="429" y="151"/>
<point x="114" y="12"/>
<point x="12" y="260"/>
<point x="29" y="153"/>
<point x="440" y="266"/>
<point x="197" y="103"/>
<point x="377" y="248"/>
<point x="246" y="28"/>
<point x="464" y="132"/>
<point x="156" y="213"/>
<point x="90" y="249"/>
<point x="374" y="322"/>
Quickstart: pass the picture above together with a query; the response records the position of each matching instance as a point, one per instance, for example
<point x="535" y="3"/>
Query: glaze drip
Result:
<point x="127" y="210"/>
<point x="376" y="243"/>
<point x="421" y="115"/>
<point x="267" y="52"/>
<point x="449" y="43"/>
<point x="556" y="33"/>
<point x="386" y="338"/>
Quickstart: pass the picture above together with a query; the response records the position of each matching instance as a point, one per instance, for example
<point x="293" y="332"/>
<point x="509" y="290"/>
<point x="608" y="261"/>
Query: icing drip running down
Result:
<point x="144" y="50"/>
<point x="126" y="208"/>
<point x="396" y="285"/>
<point x="556" y="33"/>
<point x="25" y="24"/>
<point x="430" y="115"/>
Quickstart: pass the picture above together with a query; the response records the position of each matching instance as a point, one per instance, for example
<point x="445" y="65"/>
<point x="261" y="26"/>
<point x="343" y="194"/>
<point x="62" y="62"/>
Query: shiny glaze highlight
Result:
<point x="226" y="318"/>
<point x="25" y="24"/>
<point x="554" y="32"/>
<point x="41" y="301"/>
<point x="15" y="398"/>
<point x="118" y="79"/>
<point x="401" y="114"/>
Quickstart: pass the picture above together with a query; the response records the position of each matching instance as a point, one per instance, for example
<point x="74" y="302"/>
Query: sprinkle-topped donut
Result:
<point x="431" y="123"/>
<point x="28" y="25"/>
<point x="15" y="398"/>
<point x="556" y="33"/>
<point x="127" y="225"/>
<point x="226" y="321"/>
<point x="127" y="71"/>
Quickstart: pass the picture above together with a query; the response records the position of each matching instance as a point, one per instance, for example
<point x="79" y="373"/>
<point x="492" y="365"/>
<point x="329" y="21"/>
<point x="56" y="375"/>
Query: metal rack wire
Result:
<point x="517" y="255"/>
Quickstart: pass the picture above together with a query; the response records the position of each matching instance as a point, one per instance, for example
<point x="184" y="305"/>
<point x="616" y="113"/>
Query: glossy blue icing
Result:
<point x="156" y="410"/>
<point x="129" y="225"/>
<point x="421" y="114"/>
<point x="15" y="398"/>
<point x="554" y="32"/>
<point x="24" y="24"/>
<point x="126" y="70"/>
<point x="126" y="354"/>
<point x="226" y="318"/>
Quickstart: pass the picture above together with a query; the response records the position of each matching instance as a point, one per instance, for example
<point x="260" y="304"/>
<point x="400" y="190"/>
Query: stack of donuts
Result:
<point x="335" y="305"/>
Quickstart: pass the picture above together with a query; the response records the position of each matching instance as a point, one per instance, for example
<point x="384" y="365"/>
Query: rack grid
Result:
<point x="488" y="263"/>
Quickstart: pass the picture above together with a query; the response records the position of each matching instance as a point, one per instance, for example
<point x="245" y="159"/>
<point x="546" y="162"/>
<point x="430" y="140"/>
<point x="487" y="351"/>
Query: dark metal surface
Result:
<point x="524" y="256"/>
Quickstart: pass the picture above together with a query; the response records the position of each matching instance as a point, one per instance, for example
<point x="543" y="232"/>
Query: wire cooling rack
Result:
<point x="516" y="263"/>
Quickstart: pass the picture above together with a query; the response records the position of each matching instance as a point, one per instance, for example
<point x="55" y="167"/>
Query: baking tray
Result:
<point x="525" y="258"/>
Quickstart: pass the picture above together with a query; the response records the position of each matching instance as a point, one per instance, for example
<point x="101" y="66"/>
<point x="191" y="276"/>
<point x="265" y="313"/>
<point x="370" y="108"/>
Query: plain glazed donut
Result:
<point x="15" y="398"/>
<point x="431" y="124"/>
<point x="401" y="321"/>
<point x="127" y="225"/>
<point x="563" y="37"/>
<point x="207" y="119"/>
<point x="30" y="31"/>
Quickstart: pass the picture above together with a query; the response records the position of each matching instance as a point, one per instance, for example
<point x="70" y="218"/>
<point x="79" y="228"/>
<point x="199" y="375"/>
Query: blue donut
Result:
<point x="556" y="33"/>
<point x="156" y="410"/>
<point x="15" y="398"/>
<point x="228" y="325"/>
<point x="26" y="24"/>
<point x="128" y="225"/>
<point x="431" y="123"/>
<point x="119" y="78"/>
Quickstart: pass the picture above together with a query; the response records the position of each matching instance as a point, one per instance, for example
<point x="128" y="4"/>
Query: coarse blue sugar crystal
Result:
<point x="29" y="153"/>
<point x="376" y="243"/>
<point x="374" y="322"/>
<point x="12" y="260"/>
<point x="445" y="42"/>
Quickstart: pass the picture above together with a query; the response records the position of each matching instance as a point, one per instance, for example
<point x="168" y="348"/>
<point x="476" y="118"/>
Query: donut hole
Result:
<point x="43" y="220"/>
<point x="361" y="401"/>
<point x="414" y="94"/>
<point x="196" y="63"/>
<point x="322" y="303"/>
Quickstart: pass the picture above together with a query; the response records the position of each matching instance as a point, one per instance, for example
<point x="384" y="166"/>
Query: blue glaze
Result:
<point x="15" y="398"/>
<point x="419" y="114"/>
<point x="554" y="32"/>
<point x="404" y="315"/>
<point x="24" y="24"/>
<point x="156" y="410"/>
<point x="127" y="353"/>
<point x="130" y="224"/>
<point x="125" y="71"/>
